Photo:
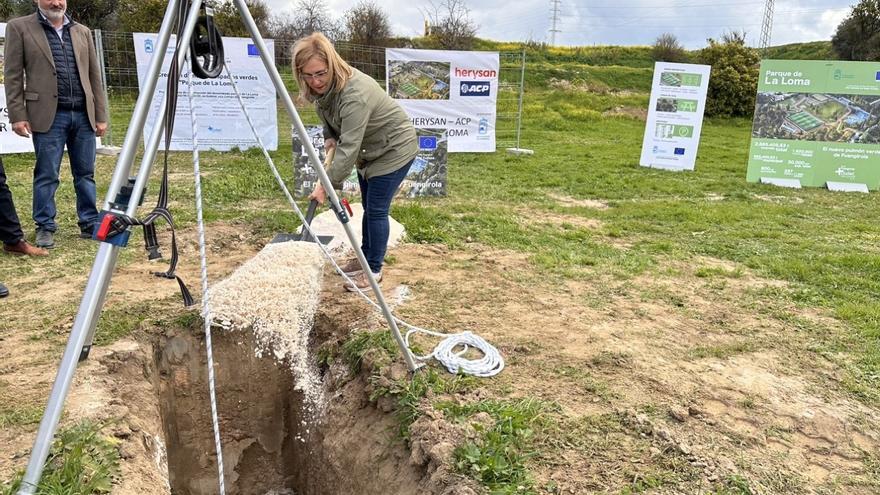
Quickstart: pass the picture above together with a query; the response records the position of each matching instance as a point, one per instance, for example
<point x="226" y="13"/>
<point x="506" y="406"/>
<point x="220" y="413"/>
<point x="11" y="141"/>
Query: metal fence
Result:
<point x="116" y="52"/>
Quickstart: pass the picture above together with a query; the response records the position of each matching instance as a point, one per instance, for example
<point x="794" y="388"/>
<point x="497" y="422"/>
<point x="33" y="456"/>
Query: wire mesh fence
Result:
<point x="117" y="51"/>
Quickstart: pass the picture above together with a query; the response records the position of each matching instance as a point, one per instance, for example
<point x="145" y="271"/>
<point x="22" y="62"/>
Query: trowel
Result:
<point x="303" y="234"/>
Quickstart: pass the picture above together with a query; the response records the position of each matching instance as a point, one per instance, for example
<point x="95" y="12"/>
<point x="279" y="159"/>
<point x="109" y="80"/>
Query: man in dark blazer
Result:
<point x="54" y="93"/>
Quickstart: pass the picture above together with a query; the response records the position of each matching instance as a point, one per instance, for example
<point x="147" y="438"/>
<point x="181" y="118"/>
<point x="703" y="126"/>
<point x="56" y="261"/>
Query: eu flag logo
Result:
<point x="252" y="50"/>
<point x="679" y="151"/>
<point x="428" y="142"/>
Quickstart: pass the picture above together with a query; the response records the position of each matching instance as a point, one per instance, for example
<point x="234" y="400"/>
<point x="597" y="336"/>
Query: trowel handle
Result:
<point x="310" y="212"/>
<point x="328" y="157"/>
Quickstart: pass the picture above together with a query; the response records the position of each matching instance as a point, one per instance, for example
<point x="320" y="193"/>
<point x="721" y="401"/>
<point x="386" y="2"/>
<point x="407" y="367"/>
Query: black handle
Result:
<point x="310" y="214"/>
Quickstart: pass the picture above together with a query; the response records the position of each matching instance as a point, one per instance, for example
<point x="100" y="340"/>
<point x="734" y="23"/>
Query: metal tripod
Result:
<point x="83" y="331"/>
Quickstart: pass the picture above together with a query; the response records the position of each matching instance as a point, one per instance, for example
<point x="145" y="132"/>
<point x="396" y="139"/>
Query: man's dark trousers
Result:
<point x="10" y="226"/>
<point x="71" y="128"/>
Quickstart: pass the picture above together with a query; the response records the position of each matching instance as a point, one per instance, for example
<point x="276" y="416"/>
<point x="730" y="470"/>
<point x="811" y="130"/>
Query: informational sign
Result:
<point x="426" y="177"/>
<point x="817" y="123"/>
<point x="221" y="123"/>
<point x="675" y="116"/>
<point x="452" y="90"/>
<point x="10" y="142"/>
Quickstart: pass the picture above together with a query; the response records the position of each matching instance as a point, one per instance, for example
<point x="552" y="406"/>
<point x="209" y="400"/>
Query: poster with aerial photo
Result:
<point x="818" y="117"/>
<point x="446" y="89"/>
<point x="426" y="177"/>
<point x="418" y="80"/>
<point x="817" y="123"/>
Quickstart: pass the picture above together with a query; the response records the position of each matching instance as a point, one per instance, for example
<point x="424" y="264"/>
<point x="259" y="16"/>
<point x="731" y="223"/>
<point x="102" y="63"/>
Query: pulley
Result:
<point x="206" y="46"/>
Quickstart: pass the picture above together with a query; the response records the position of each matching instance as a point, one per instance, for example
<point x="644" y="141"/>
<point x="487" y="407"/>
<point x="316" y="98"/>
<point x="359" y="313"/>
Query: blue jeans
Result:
<point x="73" y="129"/>
<point x="376" y="195"/>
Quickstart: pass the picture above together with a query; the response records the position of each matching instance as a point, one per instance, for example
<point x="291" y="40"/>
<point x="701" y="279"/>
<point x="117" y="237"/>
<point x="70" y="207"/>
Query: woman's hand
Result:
<point x="329" y="144"/>
<point x="319" y="194"/>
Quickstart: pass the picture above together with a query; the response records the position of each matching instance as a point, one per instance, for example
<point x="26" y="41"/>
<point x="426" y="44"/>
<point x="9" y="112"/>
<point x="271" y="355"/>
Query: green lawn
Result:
<point x="825" y="245"/>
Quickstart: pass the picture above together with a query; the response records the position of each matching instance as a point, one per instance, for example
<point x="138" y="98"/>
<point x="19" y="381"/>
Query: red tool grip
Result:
<point x="104" y="228"/>
<point x="347" y="207"/>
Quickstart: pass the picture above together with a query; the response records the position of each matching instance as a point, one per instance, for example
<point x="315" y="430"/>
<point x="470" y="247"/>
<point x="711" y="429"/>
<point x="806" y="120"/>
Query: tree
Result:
<point x="451" y="26"/>
<point x="228" y="19"/>
<point x="367" y="24"/>
<point x="667" y="49"/>
<point x="96" y="14"/>
<point x="10" y="9"/>
<point x="141" y="16"/>
<point x="311" y="16"/>
<point x="858" y="36"/>
<point x="734" y="80"/>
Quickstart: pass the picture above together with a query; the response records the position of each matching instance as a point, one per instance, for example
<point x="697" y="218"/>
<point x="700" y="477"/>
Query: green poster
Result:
<point x="817" y="122"/>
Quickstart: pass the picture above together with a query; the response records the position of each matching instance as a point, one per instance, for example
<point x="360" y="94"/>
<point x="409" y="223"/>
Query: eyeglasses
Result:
<point x="317" y="75"/>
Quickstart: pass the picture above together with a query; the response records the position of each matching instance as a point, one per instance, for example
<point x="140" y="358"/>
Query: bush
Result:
<point x="667" y="49"/>
<point x="734" y="79"/>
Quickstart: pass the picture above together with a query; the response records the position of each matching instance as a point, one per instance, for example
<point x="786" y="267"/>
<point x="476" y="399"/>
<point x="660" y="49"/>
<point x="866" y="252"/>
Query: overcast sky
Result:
<point x="621" y="22"/>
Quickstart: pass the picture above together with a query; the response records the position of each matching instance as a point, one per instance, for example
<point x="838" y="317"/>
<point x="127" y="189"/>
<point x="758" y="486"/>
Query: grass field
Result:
<point x="830" y="111"/>
<point x="805" y="120"/>
<point x="733" y="274"/>
<point x="409" y="89"/>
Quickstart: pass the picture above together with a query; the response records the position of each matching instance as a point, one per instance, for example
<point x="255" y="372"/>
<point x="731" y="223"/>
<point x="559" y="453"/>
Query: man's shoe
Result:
<point x="3" y="290"/>
<point x="86" y="232"/>
<point x="45" y="239"/>
<point x="360" y="281"/>
<point x="23" y="248"/>
<point x="351" y="267"/>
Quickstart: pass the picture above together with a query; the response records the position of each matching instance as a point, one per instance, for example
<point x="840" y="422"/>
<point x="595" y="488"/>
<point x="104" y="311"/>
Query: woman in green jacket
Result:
<point x="368" y="129"/>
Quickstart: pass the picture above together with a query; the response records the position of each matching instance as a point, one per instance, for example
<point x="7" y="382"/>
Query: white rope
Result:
<point x="206" y="308"/>
<point x="489" y="365"/>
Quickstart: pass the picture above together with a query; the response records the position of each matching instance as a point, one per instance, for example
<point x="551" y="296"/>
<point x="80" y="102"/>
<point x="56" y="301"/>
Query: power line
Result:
<point x="554" y="6"/>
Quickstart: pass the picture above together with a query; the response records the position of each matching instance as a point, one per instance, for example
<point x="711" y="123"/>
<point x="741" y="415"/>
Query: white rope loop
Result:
<point x="489" y="365"/>
<point x="206" y="308"/>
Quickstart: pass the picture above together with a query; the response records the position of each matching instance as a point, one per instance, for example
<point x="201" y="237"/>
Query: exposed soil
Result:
<point x="673" y="383"/>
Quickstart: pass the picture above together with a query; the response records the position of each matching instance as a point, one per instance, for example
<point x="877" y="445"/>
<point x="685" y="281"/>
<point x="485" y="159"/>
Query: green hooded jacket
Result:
<point x="371" y="130"/>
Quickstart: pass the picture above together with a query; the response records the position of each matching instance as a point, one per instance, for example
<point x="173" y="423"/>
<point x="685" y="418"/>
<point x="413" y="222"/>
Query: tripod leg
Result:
<point x="84" y="325"/>
<point x="138" y="119"/>
<point x="89" y="309"/>
<point x="322" y="175"/>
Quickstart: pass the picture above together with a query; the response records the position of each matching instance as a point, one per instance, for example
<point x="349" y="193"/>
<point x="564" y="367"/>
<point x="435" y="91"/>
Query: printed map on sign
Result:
<point x="818" y="117"/>
<point x="452" y="90"/>
<point x="817" y="123"/>
<point x="418" y="80"/>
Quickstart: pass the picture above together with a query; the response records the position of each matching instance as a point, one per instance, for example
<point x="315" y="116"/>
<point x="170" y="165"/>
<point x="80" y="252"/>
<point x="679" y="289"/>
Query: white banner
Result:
<point x="451" y="90"/>
<point x="10" y="142"/>
<point x="675" y="116"/>
<point x="221" y="123"/>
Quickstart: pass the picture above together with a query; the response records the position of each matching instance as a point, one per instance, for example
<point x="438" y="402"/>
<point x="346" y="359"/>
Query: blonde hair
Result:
<point x="316" y="45"/>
